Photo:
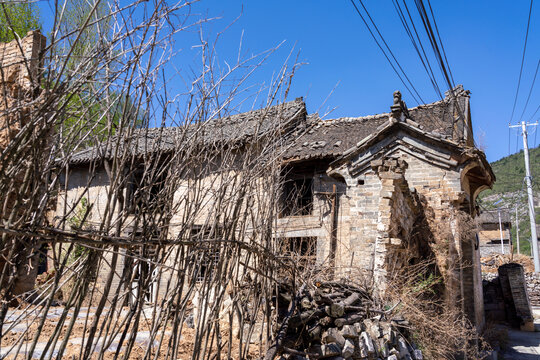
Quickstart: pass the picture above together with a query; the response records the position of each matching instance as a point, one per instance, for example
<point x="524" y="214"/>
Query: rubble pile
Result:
<point x="491" y="263"/>
<point x="533" y="288"/>
<point x="339" y="322"/>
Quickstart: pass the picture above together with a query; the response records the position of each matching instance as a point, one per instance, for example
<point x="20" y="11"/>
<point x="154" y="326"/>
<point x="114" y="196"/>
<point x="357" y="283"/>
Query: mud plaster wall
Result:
<point x="375" y="217"/>
<point x="204" y="192"/>
<point x="96" y="192"/>
<point x="95" y="189"/>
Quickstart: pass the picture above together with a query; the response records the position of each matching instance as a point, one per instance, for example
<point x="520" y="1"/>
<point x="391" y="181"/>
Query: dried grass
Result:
<point x="441" y="331"/>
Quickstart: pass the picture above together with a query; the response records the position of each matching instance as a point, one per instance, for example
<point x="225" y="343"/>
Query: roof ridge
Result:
<point x="381" y="115"/>
<point x="351" y="119"/>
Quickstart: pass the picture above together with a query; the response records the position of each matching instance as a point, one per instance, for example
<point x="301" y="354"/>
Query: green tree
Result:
<point x="83" y="24"/>
<point x="92" y="113"/>
<point x="18" y="18"/>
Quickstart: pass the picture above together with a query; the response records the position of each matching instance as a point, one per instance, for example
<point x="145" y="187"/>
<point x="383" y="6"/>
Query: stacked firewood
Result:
<point x="337" y="321"/>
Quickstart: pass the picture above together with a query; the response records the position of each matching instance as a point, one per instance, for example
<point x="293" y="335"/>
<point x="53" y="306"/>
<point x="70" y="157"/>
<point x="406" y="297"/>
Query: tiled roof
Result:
<point x="492" y="217"/>
<point x="323" y="138"/>
<point x="331" y="138"/>
<point x="234" y="129"/>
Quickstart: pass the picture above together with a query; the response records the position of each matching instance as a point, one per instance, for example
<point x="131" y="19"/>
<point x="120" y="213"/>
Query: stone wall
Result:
<point x="533" y="288"/>
<point x="516" y="299"/>
<point x="489" y="249"/>
<point x="384" y="210"/>
<point x="500" y="289"/>
<point x="398" y="212"/>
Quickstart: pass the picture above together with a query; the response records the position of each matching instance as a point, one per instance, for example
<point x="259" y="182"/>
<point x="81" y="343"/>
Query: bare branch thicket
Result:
<point x="148" y="242"/>
<point x="441" y="331"/>
<point x="429" y="294"/>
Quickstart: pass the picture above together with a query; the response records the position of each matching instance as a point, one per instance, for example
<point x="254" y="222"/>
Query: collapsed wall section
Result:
<point x="412" y="203"/>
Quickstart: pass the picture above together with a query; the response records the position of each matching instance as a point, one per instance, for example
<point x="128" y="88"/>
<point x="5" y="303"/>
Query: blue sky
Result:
<point x="483" y="41"/>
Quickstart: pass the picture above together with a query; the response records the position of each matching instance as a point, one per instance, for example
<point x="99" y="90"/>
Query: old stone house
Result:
<point x="366" y="195"/>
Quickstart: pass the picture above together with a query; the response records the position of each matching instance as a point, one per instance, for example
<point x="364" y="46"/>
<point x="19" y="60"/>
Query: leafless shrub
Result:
<point x="173" y="233"/>
<point x="440" y="331"/>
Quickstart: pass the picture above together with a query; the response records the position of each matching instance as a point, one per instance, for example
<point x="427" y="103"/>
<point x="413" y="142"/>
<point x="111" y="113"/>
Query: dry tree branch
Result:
<point x="161" y="227"/>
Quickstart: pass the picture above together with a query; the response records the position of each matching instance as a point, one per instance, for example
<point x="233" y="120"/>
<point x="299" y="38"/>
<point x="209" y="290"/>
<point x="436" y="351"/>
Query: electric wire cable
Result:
<point x="440" y="55"/>
<point x="522" y="61"/>
<point x="530" y="90"/>
<point x="417" y="43"/>
<point x="534" y="114"/>
<point x="535" y="132"/>
<point x="385" y="54"/>
<point x="438" y="50"/>
<point x="509" y="139"/>
<point x="440" y="42"/>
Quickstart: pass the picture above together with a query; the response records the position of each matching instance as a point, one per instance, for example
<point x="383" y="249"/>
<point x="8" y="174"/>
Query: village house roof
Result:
<point x="332" y="138"/>
<point x="235" y="129"/>
<point x="492" y="217"/>
<point x="319" y="138"/>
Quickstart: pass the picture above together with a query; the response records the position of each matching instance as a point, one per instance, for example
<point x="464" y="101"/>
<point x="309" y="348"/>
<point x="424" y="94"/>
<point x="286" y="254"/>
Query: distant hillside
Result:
<point x="510" y="172"/>
<point x="510" y="190"/>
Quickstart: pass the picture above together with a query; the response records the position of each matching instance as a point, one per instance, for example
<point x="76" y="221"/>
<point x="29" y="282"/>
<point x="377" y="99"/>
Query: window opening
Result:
<point x="42" y="259"/>
<point x="301" y="250"/>
<point x="144" y="274"/>
<point x="297" y="196"/>
<point x="142" y="192"/>
<point x="207" y="251"/>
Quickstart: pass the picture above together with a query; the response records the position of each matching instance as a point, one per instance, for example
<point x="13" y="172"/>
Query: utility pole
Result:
<point x="517" y="230"/>
<point x="500" y="231"/>
<point x="528" y="182"/>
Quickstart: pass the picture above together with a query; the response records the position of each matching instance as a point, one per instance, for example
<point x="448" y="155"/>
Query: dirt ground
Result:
<point x="26" y="328"/>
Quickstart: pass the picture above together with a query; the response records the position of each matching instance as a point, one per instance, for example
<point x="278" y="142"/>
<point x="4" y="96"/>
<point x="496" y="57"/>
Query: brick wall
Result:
<point x="514" y="289"/>
<point x="20" y="64"/>
<point x="382" y="209"/>
<point x="20" y="67"/>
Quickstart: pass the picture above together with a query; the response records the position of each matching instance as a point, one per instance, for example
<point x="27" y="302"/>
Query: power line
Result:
<point x="388" y="49"/>
<point x="533" y="115"/>
<point x="522" y="61"/>
<point x="445" y="69"/>
<point x="509" y="139"/>
<point x="517" y="142"/>
<point x="535" y="132"/>
<point x="417" y="44"/>
<point x="530" y="90"/>
<point x="437" y="47"/>
<point x="439" y="52"/>
<point x="436" y="44"/>
<point x="440" y="42"/>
